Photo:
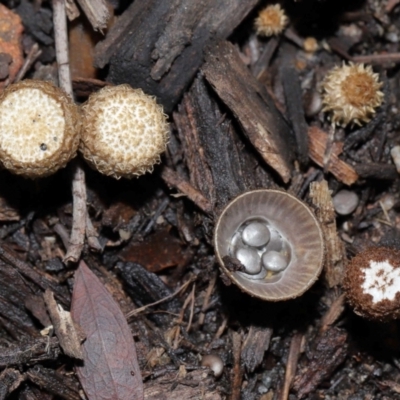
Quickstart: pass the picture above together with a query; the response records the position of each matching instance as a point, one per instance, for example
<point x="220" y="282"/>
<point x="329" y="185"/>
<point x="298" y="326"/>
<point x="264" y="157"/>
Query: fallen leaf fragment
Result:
<point x="110" y="369"/>
<point x="317" y="144"/>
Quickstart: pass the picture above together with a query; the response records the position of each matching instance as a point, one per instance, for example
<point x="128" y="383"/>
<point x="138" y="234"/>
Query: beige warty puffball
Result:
<point x="124" y="131"/>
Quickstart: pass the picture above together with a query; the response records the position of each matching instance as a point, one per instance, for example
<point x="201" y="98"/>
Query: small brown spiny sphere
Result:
<point x="351" y="94"/>
<point x="124" y="131"/>
<point x="372" y="283"/>
<point x="271" y="21"/>
<point x="39" y="128"/>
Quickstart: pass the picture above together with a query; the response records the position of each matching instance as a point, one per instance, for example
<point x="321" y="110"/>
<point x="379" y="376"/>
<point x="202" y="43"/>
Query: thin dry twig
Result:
<point x="237" y="371"/>
<point x="78" y="184"/>
<point x="291" y="365"/>
<point x="143" y="308"/>
<point x="31" y="57"/>
<point x="192" y="295"/>
<point x="92" y="235"/>
<point x="206" y="301"/>
<point x="79" y="213"/>
<point x="61" y="42"/>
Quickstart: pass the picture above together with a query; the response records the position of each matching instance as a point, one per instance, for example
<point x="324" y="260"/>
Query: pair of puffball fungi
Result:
<point x="120" y="131"/>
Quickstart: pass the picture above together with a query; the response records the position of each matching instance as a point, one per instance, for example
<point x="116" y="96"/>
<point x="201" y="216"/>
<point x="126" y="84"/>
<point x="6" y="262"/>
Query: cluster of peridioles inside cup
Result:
<point x="261" y="249"/>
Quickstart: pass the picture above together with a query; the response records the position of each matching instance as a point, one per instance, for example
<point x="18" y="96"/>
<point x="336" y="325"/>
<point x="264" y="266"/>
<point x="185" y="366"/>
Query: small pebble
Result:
<point x="345" y="202"/>
<point x="395" y="153"/>
<point x="256" y="234"/>
<point x="250" y="259"/>
<point x="274" y="261"/>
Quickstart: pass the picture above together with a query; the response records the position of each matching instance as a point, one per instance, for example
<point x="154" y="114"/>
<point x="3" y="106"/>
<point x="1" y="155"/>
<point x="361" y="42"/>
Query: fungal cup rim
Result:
<point x="304" y="276"/>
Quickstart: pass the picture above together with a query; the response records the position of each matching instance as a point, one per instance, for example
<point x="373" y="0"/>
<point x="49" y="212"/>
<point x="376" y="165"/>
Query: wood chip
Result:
<point x="69" y="336"/>
<point x="317" y="146"/>
<point x="334" y="248"/>
<point x="251" y="104"/>
<point x="97" y="12"/>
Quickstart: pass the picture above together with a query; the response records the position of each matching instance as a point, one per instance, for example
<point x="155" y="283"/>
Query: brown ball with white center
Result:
<point x="124" y="131"/>
<point x="372" y="283"/>
<point x="39" y="128"/>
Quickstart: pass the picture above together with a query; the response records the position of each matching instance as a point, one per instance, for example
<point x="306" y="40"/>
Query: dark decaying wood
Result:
<point x="158" y="45"/>
<point x="248" y="99"/>
<point x="29" y="353"/>
<point x="254" y="346"/>
<point x="146" y="287"/>
<point x="10" y="379"/>
<point x="58" y="384"/>
<point x="36" y="276"/>
<point x="295" y="112"/>
<point x="173" y="179"/>
<point x="221" y="165"/>
<point x="196" y="385"/>
<point x="377" y="171"/>
<point x="329" y="351"/>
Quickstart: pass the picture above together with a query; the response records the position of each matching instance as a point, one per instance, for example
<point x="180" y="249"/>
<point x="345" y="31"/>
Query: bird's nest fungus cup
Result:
<point x="277" y="241"/>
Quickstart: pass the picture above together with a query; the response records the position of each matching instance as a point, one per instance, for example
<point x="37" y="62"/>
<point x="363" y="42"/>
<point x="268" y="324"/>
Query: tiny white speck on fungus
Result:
<point x="351" y="94"/>
<point x="39" y="128"/>
<point x="124" y="131"/>
<point x="271" y="20"/>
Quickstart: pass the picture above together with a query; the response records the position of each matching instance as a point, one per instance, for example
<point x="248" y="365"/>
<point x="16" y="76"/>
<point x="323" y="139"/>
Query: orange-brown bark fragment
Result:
<point x="10" y="41"/>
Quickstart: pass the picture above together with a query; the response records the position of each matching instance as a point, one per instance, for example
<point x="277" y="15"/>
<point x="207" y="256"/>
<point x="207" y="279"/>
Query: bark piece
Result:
<point x="195" y="386"/>
<point x="237" y="371"/>
<point x="31" y="352"/>
<point x="10" y="42"/>
<point x="158" y="45"/>
<point x="329" y="352"/>
<point x="110" y="368"/>
<point x="146" y="287"/>
<point x="295" y="112"/>
<point x="220" y="164"/>
<point x="317" y="145"/>
<point x="254" y="346"/>
<point x="62" y="386"/>
<point x="65" y="330"/>
<point x="291" y="365"/>
<point x="10" y="379"/>
<point x="334" y="247"/>
<point x="35" y="304"/>
<point x="97" y="13"/>
<point x="173" y="179"/>
<point x="36" y="276"/>
<point x="377" y="171"/>
<point x="84" y="87"/>
<point x="251" y="104"/>
<point x="158" y="251"/>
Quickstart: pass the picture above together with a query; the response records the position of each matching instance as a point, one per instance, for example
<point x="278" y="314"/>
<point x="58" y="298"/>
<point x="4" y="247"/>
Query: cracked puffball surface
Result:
<point x="39" y="128"/>
<point x="124" y="131"/>
<point x="372" y="283"/>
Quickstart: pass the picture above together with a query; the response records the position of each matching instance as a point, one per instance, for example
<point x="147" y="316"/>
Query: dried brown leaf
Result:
<point x="110" y="370"/>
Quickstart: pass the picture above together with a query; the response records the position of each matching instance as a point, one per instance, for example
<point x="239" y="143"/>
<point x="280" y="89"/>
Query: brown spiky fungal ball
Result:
<point x="372" y="283"/>
<point x="271" y="20"/>
<point x="351" y="94"/>
<point x="39" y="128"/>
<point x="124" y="131"/>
